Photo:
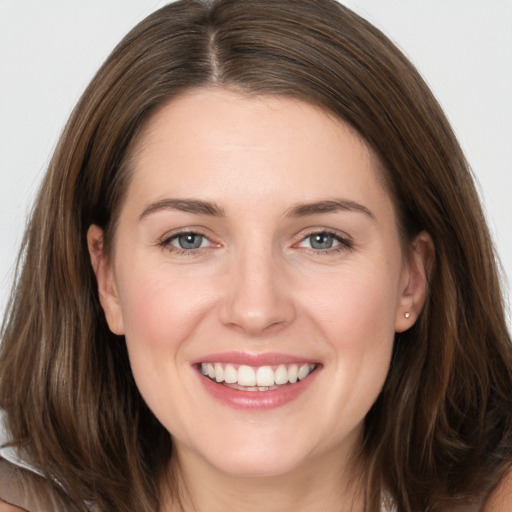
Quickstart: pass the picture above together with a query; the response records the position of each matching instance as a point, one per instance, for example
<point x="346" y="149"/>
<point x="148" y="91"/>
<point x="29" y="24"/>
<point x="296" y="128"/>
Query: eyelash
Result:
<point x="166" y="243"/>
<point x="344" y="243"/>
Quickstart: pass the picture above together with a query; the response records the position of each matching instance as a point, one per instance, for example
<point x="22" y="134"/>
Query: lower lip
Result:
<point x="257" y="399"/>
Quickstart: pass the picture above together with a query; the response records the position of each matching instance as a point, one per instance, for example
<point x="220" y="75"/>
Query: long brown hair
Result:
<point x="440" y="433"/>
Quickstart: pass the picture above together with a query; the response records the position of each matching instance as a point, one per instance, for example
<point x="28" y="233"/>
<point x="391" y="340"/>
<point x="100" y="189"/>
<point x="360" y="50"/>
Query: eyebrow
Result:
<point x="329" y="206"/>
<point x="209" y="208"/>
<point x="184" y="205"/>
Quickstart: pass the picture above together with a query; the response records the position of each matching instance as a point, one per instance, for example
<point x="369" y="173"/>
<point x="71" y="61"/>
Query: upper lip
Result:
<point x="252" y="359"/>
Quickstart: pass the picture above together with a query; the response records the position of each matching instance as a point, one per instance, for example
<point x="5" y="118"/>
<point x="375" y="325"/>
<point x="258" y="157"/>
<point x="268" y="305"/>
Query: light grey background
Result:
<point x="49" y="50"/>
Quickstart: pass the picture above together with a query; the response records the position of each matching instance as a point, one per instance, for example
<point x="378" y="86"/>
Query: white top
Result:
<point x="17" y="457"/>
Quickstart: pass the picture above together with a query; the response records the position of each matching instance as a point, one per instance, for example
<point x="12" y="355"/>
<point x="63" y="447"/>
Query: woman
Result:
<point x="257" y="275"/>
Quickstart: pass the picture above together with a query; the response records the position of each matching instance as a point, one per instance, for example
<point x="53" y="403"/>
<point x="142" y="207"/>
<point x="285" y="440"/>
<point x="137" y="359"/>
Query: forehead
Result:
<point x="213" y="141"/>
<point x="247" y="113"/>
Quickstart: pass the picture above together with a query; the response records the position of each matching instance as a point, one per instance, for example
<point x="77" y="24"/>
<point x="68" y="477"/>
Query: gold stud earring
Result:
<point x="407" y="314"/>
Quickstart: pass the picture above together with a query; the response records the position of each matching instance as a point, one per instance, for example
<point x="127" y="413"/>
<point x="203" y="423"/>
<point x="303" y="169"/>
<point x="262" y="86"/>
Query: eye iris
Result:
<point x="321" y="241"/>
<point x="190" y="241"/>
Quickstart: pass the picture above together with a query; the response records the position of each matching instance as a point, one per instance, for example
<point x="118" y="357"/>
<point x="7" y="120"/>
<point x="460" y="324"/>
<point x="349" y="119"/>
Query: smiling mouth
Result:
<point x="261" y="378"/>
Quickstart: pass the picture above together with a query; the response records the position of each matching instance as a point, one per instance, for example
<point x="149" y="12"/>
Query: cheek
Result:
<point x="362" y="338"/>
<point x="356" y="305"/>
<point x="160" y="312"/>
<point x="160" y="307"/>
<point x="357" y="318"/>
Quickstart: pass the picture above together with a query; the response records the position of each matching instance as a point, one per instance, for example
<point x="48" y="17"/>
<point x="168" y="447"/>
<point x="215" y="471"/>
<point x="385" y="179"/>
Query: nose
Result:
<point x="257" y="297"/>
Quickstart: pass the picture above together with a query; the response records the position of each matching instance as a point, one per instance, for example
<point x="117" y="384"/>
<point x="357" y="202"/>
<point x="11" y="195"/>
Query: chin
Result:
<point x="259" y="466"/>
<point x="266" y="458"/>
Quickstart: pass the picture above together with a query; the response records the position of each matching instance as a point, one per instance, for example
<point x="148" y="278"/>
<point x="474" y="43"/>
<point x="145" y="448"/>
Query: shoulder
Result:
<point x="15" y="489"/>
<point x="500" y="499"/>
<point x="6" y="507"/>
<point x="22" y="490"/>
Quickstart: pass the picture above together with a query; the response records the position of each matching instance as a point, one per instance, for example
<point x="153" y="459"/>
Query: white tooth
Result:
<point x="293" y="372"/>
<point x="219" y="372"/>
<point x="246" y="376"/>
<point x="204" y="368"/>
<point x="304" y="371"/>
<point x="230" y="374"/>
<point x="211" y="370"/>
<point x="265" y="376"/>
<point x="281" y="374"/>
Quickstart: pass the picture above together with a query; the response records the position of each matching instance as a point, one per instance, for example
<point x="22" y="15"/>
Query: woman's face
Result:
<point x="258" y="278"/>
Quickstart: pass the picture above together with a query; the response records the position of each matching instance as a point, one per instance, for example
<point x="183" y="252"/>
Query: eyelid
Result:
<point x="176" y="239"/>
<point x="165" y="241"/>
<point x="345" y="240"/>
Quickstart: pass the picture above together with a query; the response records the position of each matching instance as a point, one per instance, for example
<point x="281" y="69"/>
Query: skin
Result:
<point x="258" y="284"/>
<point x="500" y="500"/>
<point x="7" y="507"/>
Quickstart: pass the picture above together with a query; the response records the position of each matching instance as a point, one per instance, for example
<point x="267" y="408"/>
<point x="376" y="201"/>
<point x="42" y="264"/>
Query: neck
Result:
<point x="323" y="485"/>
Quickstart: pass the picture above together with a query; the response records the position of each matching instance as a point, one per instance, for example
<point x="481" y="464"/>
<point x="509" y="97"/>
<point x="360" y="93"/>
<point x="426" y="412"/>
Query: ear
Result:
<point x="418" y="264"/>
<point x="105" y="278"/>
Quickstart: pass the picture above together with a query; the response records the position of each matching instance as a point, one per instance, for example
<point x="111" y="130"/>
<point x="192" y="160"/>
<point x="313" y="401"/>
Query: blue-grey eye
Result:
<point x="189" y="241"/>
<point x="321" y="241"/>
